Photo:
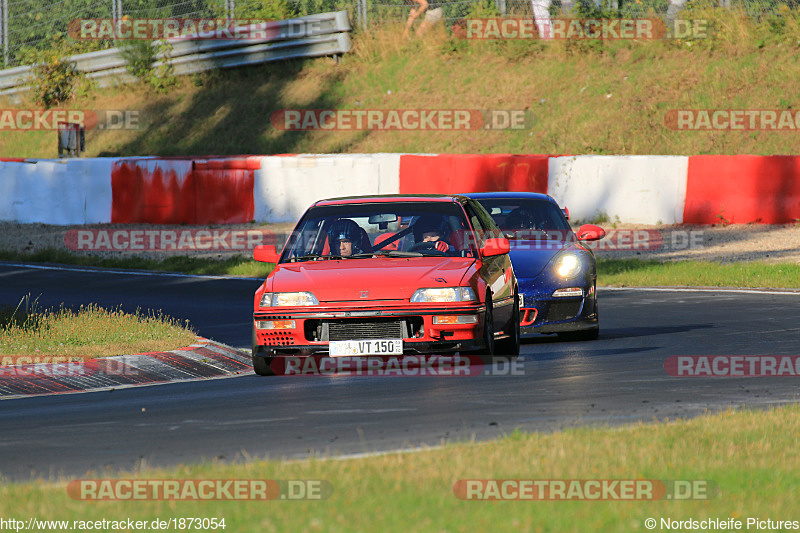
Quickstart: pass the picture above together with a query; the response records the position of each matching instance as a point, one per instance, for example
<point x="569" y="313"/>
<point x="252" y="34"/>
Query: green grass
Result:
<point x="634" y="272"/>
<point x="611" y="272"/>
<point x="87" y="332"/>
<point x="237" y="265"/>
<point x="587" y="97"/>
<point x="749" y="455"/>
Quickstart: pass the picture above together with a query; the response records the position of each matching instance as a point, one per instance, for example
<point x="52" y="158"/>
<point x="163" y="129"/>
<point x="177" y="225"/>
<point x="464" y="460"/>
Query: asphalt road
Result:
<point x="617" y="379"/>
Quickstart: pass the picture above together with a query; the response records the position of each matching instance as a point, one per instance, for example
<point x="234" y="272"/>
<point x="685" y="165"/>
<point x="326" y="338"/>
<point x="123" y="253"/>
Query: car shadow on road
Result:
<point x="620" y="333"/>
<point x="586" y="351"/>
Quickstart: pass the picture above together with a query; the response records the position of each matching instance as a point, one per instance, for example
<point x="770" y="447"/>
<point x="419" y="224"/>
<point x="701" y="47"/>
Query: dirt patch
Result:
<point x="736" y="242"/>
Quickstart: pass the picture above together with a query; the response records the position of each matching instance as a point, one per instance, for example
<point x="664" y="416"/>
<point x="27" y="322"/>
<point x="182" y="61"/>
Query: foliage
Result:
<point x="483" y="9"/>
<point x="24" y="316"/>
<point x="141" y="56"/>
<point x="54" y="77"/>
<point x="264" y="9"/>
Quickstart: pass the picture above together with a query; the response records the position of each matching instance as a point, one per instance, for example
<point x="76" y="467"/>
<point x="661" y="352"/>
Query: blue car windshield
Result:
<point x="522" y="218"/>
<point x="391" y="229"/>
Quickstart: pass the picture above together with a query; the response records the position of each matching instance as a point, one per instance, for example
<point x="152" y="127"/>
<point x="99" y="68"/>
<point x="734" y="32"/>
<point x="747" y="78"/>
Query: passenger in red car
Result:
<point x="430" y="229"/>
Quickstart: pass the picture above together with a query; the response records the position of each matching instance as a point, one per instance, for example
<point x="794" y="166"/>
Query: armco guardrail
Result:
<point x="317" y="35"/>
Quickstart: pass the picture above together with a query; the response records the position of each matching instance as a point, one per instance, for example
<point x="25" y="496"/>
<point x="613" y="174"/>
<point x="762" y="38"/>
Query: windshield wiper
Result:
<point x="306" y="257"/>
<point x="387" y="253"/>
<point x="314" y="257"/>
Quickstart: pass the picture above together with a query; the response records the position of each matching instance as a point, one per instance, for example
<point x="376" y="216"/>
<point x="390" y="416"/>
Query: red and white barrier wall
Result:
<point x="74" y="191"/>
<point x="286" y="185"/>
<point x="636" y="189"/>
<point x="222" y="190"/>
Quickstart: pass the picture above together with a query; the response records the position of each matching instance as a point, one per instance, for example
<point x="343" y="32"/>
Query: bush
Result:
<point x="54" y="78"/>
<point x="140" y="56"/>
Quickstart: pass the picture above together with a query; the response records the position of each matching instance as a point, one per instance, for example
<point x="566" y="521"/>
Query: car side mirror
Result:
<point x="266" y="253"/>
<point x="590" y="232"/>
<point x="495" y="246"/>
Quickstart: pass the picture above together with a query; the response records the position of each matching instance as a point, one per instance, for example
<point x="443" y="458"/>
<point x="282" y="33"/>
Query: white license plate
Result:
<point x="366" y="347"/>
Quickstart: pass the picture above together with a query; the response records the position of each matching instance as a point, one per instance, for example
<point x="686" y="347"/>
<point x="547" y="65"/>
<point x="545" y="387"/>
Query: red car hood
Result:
<point x="383" y="278"/>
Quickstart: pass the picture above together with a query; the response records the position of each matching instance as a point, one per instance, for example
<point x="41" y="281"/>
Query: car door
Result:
<point x="496" y="270"/>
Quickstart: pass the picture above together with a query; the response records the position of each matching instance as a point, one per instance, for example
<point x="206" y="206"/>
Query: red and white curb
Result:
<point x="205" y="359"/>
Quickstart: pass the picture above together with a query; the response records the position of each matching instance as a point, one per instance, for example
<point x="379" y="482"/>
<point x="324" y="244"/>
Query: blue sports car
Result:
<point x="557" y="275"/>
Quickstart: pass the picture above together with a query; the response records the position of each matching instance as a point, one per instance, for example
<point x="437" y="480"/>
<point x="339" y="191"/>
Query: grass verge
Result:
<point x="586" y="96"/>
<point x="749" y="455"/>
<point x="610" y="272"/>
<point x="237" y="265"/>
<point x="634" y="272"/>
<point x="88" y="332"/>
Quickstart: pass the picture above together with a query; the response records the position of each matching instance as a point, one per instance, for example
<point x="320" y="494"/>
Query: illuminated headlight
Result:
<point x="279" y="299"/>
<point x="568" y="266"/>
<point x="444" y="294"/>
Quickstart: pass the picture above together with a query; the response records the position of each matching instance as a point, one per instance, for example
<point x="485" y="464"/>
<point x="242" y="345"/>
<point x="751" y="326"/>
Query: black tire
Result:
<point x="261" y="363"/>
<point x="510" y="346"/>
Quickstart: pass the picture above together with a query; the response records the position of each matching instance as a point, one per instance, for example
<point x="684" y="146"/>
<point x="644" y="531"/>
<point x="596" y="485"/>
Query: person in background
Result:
<point x="416" y="11"/>
<point x="541" y="15"/>
<point x="432" y="17"/>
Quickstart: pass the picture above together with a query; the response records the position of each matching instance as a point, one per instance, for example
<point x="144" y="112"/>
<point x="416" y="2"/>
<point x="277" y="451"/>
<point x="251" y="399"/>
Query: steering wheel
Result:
<point x="427" y="247"/>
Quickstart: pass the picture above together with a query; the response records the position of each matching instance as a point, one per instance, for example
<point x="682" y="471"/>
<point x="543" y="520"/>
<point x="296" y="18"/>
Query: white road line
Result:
<point x="206" y="276"/>
<point x="703" y="289"/>
<point x="126" y="272"/>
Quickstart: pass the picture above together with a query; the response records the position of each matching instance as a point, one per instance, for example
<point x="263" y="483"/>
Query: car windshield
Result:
<point x="522" y="218"/>
<point x="391" y="229"/>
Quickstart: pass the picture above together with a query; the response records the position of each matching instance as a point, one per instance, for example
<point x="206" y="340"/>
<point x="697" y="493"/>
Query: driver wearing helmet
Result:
<point x="348" y="238"/>
<point x="430" y="229"/>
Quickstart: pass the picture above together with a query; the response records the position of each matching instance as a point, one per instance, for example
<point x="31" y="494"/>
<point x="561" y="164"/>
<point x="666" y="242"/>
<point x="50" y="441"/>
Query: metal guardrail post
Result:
<point x="361" y="11"/>
<point x="4" y="28"/>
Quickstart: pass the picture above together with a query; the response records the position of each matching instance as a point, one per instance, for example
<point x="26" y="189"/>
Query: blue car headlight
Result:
<point x="569" y="265"/>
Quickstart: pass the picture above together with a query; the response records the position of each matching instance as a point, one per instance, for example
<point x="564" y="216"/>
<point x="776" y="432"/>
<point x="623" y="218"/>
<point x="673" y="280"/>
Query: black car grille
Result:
<point x="563" y="310"/>
<point x="342" y="330"/>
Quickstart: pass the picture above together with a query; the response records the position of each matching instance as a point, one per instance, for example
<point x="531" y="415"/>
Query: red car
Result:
<point x="388" y="276"/>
